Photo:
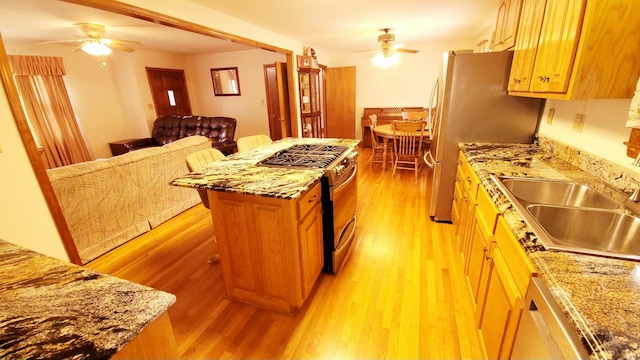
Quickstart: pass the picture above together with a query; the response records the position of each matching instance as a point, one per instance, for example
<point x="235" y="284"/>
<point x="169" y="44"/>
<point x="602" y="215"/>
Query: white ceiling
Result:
<point x="48" y="20"/>
<point x="353" y="25"/>
<point x="330" y="25"/>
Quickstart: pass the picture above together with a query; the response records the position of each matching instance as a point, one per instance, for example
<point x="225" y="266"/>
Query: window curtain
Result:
<point x="48" y="109"/>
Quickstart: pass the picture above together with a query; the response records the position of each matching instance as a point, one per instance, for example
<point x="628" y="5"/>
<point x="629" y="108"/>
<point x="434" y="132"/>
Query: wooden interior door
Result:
<point x="169" y="91"/>
<point x="277" y="90"/>
<point x="341" y="102"/>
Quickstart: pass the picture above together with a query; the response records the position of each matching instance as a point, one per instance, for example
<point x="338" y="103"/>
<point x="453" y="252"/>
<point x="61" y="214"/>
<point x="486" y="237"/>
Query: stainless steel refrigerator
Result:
<point x="473" y="105"/>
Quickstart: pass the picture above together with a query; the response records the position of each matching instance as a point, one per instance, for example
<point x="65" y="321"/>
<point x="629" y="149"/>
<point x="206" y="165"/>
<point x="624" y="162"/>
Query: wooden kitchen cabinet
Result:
<point x="270" y="249"/>
<point x="464" y="202"/>
<point x="506" y="24"/>
<point x="498" y="270"/>
<point x="484" y="226"/>
<point x="503" y="308"/>
<point x="505" y="278"/>
<point x="526" y="45"/>
<point x="582" y="50"/>
<point x="311" y="247"/>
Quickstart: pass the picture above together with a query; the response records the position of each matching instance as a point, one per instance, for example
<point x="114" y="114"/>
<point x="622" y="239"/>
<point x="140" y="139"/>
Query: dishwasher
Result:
<point x="544" y="331"/>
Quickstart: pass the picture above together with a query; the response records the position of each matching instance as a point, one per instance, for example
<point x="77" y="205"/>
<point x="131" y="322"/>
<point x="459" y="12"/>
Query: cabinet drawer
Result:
<point x="470" y="179"/>
<point x="309" y="200"/>
<point x="516" y="259"/>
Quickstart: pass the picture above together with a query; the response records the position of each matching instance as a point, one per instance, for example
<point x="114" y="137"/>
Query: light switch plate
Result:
<point x="552" y="112"/>
<point x="578" y="123"/>
<point x="0" y="149"/>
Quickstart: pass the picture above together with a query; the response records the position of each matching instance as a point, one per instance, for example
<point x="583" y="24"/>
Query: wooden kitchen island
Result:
<point x="268" y="224"/>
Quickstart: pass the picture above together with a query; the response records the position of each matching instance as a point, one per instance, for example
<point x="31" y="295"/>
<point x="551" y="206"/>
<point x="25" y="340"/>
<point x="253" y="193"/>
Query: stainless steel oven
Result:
<point x="339" y="201"/>
<point x="339" y="193"/>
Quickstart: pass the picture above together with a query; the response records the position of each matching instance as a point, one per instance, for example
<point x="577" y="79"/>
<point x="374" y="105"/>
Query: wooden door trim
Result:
<point x="35" y="159"/>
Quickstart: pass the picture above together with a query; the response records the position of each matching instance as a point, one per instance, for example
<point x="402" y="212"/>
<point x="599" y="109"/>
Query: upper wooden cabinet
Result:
<point x="507" y="24"/>
<point x="577" y="49"/>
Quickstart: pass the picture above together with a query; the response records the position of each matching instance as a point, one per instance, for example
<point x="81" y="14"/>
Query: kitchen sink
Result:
<point x="569" y="216"/>
<point x="557" y="192"/>
<point x="593" y="231"/>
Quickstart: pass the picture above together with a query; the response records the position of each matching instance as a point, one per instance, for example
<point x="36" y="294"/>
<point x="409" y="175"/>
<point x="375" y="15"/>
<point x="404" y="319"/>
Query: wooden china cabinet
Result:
<point x="309" y="82"/>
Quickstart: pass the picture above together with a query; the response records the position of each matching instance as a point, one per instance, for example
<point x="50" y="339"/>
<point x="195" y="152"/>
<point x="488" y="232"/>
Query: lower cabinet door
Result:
<point x="311" y="249"/>
<point x="502" y="310"/>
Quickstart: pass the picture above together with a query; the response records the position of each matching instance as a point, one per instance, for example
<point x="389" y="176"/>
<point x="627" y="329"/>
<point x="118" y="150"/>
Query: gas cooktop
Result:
<point x="305" y="155"/>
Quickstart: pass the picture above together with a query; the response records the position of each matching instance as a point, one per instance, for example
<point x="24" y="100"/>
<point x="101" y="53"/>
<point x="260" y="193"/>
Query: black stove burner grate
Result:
<point x="306" y="155"/>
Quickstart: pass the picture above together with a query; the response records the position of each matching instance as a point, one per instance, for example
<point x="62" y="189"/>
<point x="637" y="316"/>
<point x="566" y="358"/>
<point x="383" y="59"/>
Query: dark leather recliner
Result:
<point x="219" y="129"/>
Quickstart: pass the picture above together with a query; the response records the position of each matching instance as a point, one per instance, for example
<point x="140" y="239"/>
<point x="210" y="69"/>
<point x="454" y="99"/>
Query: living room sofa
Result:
<point x="108" y="202"/>
<point x="220" y="130"/>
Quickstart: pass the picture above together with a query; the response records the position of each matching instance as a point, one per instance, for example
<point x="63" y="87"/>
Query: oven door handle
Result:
<point x="346" y="182"/>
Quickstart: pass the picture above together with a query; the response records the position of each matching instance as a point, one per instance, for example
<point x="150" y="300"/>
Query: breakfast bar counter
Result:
<point x="239" y="173"/>
<point x="50" y="309"/>
<point x="599" y="295"/>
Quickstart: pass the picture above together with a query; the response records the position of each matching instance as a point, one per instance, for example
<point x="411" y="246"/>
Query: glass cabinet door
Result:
<point x="310" y="102"/>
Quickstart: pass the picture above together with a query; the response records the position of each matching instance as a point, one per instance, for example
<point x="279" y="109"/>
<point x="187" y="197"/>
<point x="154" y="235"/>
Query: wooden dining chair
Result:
<point x="414" y="115"/>
<point x="428" y="138"/>
<point x="377" y="149"/>
<point x="407" y="145"/>
<point x="427" y="116"/>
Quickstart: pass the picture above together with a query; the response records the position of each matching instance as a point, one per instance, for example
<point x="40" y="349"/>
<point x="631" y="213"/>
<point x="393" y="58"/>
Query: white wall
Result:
<point x="250" y="108"/>
<point x="408" y="83"/>
<point x="24" y="216"/>
<point x="111" y="102"/>
<point x="603" y="131"/>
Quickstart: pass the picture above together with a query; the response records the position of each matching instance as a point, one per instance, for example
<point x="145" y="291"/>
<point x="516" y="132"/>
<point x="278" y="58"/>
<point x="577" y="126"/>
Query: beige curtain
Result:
<point x="48" y="109"/>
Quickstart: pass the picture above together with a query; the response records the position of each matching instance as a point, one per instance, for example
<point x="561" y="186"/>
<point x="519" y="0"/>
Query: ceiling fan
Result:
<point x="389" y="51"/>
<point x="388" y="47"/>
<point x="93" y="42"/>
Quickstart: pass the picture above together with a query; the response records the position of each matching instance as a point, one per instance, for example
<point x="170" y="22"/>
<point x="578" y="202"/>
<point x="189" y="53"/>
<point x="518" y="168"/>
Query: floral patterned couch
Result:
<point x="108" y="202"/>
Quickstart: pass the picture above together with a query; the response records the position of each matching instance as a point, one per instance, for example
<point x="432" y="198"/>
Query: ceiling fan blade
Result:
<point x="120" y="42"/>
<point x="367" y="50"/>
<point x="120" y="47"/>
<point x="61" y="42"/>
<point x="95" y="31"/>
<point x="408" y="51"/>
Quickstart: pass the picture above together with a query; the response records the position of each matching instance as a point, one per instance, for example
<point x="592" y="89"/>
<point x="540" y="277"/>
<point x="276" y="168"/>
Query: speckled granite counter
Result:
<point x="50" y="309"/>
<point x="601" y="296"/>
<point x="239" y="172"/>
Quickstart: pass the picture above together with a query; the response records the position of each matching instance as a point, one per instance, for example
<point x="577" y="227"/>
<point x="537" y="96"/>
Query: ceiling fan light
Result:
<point x="96" y="48"/>
<point x="385" y="61"/>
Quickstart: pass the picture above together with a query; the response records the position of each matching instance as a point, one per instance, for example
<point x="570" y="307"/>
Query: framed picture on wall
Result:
<point x="226" y="81"/>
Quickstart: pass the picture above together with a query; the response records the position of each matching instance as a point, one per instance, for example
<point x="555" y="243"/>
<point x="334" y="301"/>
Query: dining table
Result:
<point x="386" y="132"/>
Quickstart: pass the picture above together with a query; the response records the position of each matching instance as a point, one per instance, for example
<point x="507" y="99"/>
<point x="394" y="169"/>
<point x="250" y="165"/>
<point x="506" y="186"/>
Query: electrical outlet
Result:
<point x="578" y="123"/>
<point x="552" y="112"/>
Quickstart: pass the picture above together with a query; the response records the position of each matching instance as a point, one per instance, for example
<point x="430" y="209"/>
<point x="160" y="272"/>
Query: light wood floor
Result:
<point x="401" y="294"/>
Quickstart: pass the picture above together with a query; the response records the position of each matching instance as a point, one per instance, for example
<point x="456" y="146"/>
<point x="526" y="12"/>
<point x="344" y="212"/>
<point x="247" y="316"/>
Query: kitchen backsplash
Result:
<point x="615" y="175"/>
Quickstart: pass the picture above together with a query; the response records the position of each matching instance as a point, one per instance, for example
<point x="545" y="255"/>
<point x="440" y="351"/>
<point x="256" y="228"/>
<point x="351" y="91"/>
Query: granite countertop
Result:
<point x="239" y="173"/>
<point x="600" y="296"/>
<point x="51" y="309"/>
